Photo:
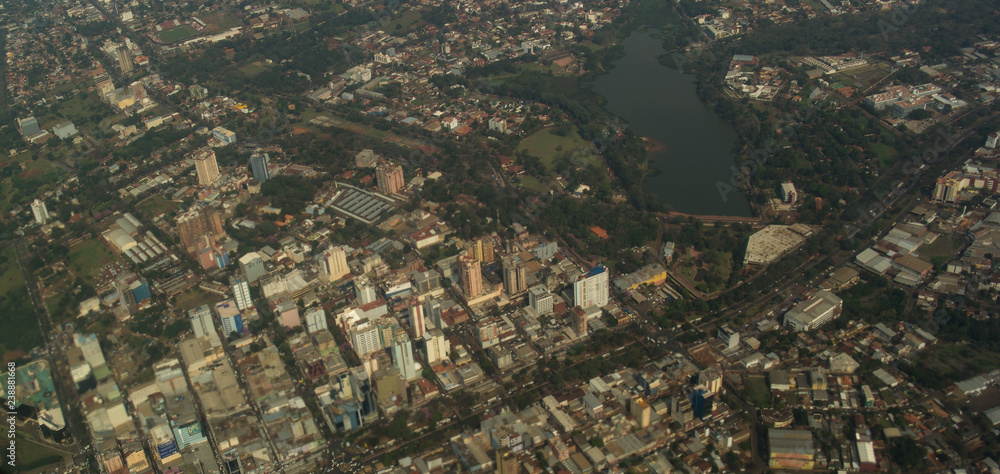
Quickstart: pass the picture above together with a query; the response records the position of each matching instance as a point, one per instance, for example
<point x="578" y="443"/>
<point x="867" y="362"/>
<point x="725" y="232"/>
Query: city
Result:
<point x="593" y="236"/>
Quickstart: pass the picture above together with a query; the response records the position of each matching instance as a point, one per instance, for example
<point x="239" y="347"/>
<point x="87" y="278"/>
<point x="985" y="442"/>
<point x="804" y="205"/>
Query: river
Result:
<point x="688" y="143"/>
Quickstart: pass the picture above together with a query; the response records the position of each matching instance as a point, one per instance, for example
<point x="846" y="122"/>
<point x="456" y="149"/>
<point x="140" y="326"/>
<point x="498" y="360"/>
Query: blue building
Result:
<point x="258" y="165"/>
<point x="140" y="291"/>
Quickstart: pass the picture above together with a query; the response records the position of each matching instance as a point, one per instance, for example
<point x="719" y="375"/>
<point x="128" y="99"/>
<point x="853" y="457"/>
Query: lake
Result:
<point x="689" y="144"/>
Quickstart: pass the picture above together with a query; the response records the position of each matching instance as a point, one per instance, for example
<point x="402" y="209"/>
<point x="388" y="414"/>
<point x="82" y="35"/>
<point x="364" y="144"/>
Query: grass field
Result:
<point x="177" y="33"/>
<point x="757" y="391"/>
<point x="885" y="154"/>
<point x="252" y="69"/>
<point x="404" y="22"/>
<point x="33" y="455"/>
<point x="154" y="206"/>
<point x="548" y="146"/>
<point x="532" y="183"/>
<point x="943" y="246"/>
<point x="10" y="278"/>
<point x="948" y="363"/>
<point x="89" y="257"/>
<point x="194" y="298"/>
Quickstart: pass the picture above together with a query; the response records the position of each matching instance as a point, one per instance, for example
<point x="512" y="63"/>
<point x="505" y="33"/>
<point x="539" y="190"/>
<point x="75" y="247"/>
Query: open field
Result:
<point x="404" y="22"/>
<point x="10" y="273"/>
<point x="154" y="206"/>
<point x="89" y="257"/>
<point x="757" y="391"/>
<point x="252" y="69"/>
<point x="195" y="298"/>
<point x="945" y="363"/>
<point x="943" y="246"/>
<point x="177" y="33"/>
<point x="532" y="183"/>
<point x="547" y="145"/>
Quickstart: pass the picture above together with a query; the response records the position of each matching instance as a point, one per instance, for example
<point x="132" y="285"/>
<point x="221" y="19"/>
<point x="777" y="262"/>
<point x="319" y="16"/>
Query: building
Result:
<point x="591" y="288"/>
<point x="814" y="312"/>
<point x="241" y="293"/>
<point x="483" y="250"/>
<point x="389" y="179"/>
<point x="288" y="314"/>
<point x="197" y="222"/>
<point x="365" y="338"/>
<point x="230" y="317"/>
<point x="252" y="266"/>
<point x="729" y="336"/>
<point x="515" y="279"/>
<point x="206" y="166"/>
<point x="124" y="59"/>
<point x="28" y="126"/>
<point x="417" y="322"/>
<point x="487" y="333"/>
<point x="64" y="129"/>
<point x="790" y="449"/>
<point x="579" y="317"/>
<point x="470" y="276"/>
<point x="642" y="412"/>
<point x="788" y="193"/>
<point x="540" y="300"/>
<point x="437" y="347"/>
<point x="402" y="355"/>
<point x="315" y="320"/>
<point x="258" y="166"/>
<point x="333" y="264"/>
<point x="39" y="210"/>
<point x="364" y="290"/>
<point x="223" y="135"/>
<point x="366" y="158"/>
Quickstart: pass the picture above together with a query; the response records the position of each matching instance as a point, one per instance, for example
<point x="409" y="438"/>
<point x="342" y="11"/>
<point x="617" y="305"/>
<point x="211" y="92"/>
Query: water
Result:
<point x="689" y="144"/>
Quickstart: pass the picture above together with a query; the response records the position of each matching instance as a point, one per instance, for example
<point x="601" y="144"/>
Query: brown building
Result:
<point x="470" y="276"/>
<point x="206" y="166"/>
<point x="515" y="278"/>
<point x="390" y="179"/>
<point x="198" y="222"/>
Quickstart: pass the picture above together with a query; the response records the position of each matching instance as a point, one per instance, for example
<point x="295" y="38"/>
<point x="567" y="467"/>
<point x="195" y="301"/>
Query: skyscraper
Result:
<point x="416" y="309"/>
<point x="579" y="321"/>
<point x="390" y="179"/>
<point x="252" y="266"/>
<point x="515" y="279"/>
<point x="437" y="346"/>
<point x="241" y="293"/>
<point x="258" y="165"/>
<point x="40" y="211"/>
<point x="230" y="317"/>
<point x="334" y="264"/>
<point x="402" y="355"/>
<point x="206" y="166"/>
<point x="124" y="59"/>
<point x="591" y="288"/>
<point x="470" y="276"/>
<point x="197" y="222"/>
<point x="364" y="289"/>
<point x="483" y="250"/>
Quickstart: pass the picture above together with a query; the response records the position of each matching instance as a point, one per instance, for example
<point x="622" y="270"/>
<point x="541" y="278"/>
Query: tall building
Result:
<point x="124" y="59"/>
<point x="540" y="300"/>
<point x="641" y="411"/>
<point x="333" y="264"/>
<point x="487" y="332"/>
<point x="230" y="317"/>
<point x="437" y="347"/>
<point x="432" y="311"/>
<point x="364" y="289"/>
<point x="206" y="166"/>
<point x="39" y="210"/>
<point x="201" y="323"/>
<point x="788" y="193"/>
<point x="579" y="321"/>
<point x="197" y="222"/>
<point x="365" y="338"/>
<point x="402" y="355"/>
<point x="416" y="310"/>
<point x="591" y="288"/>
<point x="258" y="165"/>
<point x="470" y="276"/>
<point x="252" y="266"/>
<point x="241" y="293"/>
<point x="483" y="250"/>
<point x="389" y="178"/>
<point x="515" y="279"/>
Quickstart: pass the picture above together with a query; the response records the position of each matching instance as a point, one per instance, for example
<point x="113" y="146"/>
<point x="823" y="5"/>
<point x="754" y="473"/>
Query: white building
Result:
<point x="364" y="289"/>
<point x="315" y="320"/>
<point x="365" y="338"/>
<point x="437" y="346"/>
<point x="591" y="288"/>
<point x="241" y="293"/>
<point x="40" y="211"/>
<point x="814" y="312"/>
<point x="540" y="300"/>
<point x="252" y="266"/>
<point x="333" y="263"/>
